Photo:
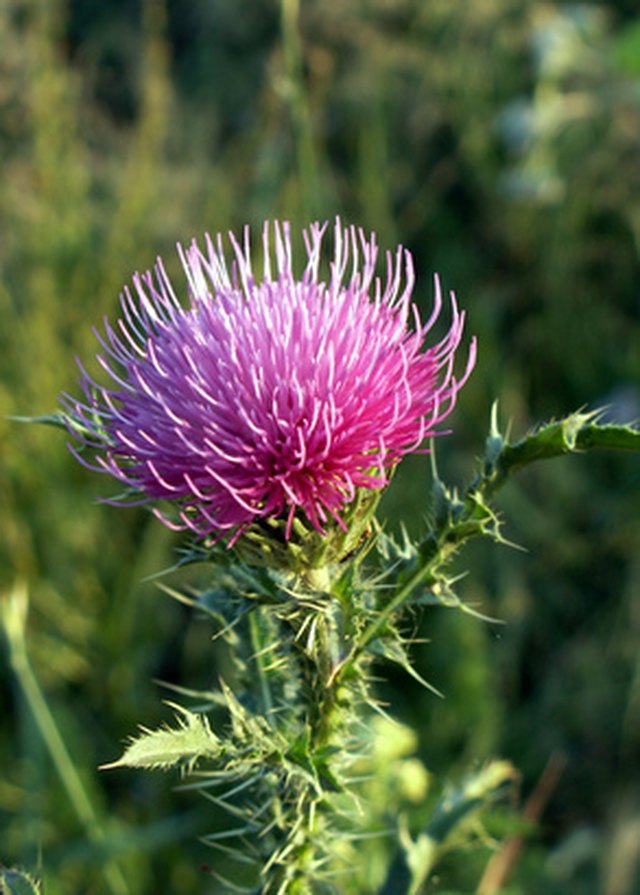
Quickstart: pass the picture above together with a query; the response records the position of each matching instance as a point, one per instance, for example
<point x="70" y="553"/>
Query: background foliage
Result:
<point x="498" y="141"/>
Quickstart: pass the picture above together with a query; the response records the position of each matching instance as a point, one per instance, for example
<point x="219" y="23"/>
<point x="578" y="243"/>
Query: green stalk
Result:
<point x="316" y="641"/>
<point x="13" y="619"/>
<point x="458" y="520"/>
<point x="329" y="658"/>
<point x="259" y="660"/>
<point x="307" y="162"/>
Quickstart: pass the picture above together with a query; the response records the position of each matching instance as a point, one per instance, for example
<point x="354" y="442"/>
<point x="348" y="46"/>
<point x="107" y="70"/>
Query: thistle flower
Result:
<point x="267" y="397"/>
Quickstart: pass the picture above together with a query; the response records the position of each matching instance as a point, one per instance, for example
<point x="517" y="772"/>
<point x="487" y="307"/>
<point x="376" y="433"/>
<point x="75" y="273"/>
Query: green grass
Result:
<point x="120" y="136"/>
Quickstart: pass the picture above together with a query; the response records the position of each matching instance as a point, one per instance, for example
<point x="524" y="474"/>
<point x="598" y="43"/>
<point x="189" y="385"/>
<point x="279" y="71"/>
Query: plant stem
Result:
<point x="14" y="620"/>
<point x="461" y="519"/>
<point x="320" y="720"/>
<point x="307" y="162"/>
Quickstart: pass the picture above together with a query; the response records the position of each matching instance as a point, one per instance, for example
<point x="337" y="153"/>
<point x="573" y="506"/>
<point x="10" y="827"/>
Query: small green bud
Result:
<point x="413" y="780"/>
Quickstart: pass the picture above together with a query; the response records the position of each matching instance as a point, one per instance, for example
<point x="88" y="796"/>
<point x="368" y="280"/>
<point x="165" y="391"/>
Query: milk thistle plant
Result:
<point x="264" y="417"/>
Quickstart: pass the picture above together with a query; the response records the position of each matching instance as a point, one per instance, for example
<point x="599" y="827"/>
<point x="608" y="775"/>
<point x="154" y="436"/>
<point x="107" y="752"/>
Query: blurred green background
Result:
<point x="499" y="140"/>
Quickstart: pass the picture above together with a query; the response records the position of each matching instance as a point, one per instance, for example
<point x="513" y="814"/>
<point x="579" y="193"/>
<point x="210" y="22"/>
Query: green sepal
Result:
<point x="58" y="420"/>
<point x="66" y="421"/>
<point x="265" y="543"/>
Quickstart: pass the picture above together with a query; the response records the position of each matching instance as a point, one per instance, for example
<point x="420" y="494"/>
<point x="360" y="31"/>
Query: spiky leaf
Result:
<point x="168" y="747"/>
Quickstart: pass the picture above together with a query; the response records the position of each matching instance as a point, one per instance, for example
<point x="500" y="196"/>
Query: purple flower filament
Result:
<point x="267" y="397"/>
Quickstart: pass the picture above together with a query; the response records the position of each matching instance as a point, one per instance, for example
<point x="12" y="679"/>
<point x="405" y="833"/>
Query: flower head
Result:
<point x="270" y="396"/>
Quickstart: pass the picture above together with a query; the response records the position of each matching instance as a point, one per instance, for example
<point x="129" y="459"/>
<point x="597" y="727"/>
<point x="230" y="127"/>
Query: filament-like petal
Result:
<point x="265" y="398"/>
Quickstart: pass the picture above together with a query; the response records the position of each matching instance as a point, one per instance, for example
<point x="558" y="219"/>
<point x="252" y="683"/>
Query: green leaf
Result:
<point x="457" y="804"/>
<point x="577" y="432"/>
<point x="417" y="857"/>
<point x="167" y="747"/>
<point x="17" y="882"/>
<point x="616" y="438"/>
<point x="411" y="866"/>
<point x="393" y="650"/>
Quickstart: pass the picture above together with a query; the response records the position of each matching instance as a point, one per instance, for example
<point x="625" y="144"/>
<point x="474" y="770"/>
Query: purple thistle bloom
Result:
<point x="268" y="396"/>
